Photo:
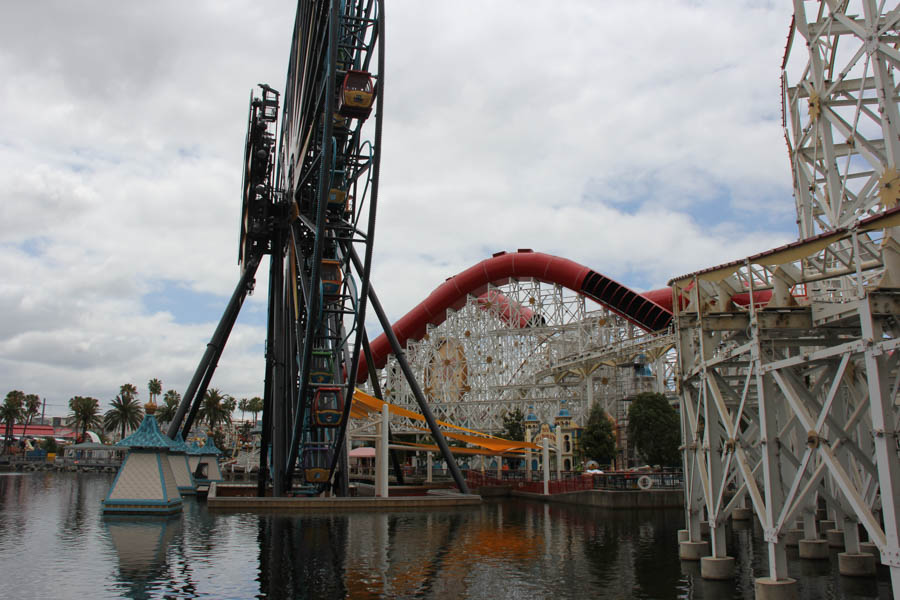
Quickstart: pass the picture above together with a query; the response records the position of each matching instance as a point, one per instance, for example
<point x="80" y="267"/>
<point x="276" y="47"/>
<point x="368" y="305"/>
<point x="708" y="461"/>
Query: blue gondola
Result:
<point x="320" y="369"/>
<point x="328" y="406"/>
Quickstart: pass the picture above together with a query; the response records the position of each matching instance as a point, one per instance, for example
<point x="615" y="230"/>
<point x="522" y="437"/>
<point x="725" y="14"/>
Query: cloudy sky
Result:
<point x="642" y="139"/>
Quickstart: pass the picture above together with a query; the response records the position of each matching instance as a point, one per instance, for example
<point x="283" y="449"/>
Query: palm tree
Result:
<point x="86" y="411"/>
<point x="215" y="408"/>
<point x="244" y="405"/>
<point x="30" y="410"/>
<point x="155" y="387"/>
<point x="11" y="411"/>
<point x="173" y="396"/>
<point x="126" y="412"/>
<point x="256" y="406"/>
<point x="166" y="412"/>
<point x="230" y="405"/>
<point x="128" y="390"/>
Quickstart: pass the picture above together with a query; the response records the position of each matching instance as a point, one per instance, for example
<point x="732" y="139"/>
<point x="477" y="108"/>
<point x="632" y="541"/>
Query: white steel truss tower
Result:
<point x="789" y="395"/>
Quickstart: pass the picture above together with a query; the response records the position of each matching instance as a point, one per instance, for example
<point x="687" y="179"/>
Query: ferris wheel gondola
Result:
<point x="357" y="95"/>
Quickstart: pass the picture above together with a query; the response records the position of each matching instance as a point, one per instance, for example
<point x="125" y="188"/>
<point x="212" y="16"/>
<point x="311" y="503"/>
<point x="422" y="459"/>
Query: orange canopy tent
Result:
<point x="365" y="405"/>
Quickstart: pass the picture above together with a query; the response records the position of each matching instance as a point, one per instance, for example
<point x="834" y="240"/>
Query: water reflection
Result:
<point x="141" y="546"/>
<point x="302" y="558"/>
<point x="74" y="506"/>
<point x="501" y="549"/>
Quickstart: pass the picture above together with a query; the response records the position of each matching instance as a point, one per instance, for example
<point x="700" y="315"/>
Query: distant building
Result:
<point x="564" y="437"/>
<point x="40" y="432"/>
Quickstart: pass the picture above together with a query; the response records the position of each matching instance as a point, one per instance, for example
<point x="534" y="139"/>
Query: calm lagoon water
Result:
<point x="54" y="543"/>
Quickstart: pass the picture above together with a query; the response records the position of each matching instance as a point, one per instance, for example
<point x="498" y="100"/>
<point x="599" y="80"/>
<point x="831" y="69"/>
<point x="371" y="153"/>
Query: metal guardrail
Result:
<point x="570" y="481"/>
<point x="573" y="481"/>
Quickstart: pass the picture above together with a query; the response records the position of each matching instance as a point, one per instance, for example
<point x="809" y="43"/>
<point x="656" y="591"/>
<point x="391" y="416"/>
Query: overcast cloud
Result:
<point x="642" y="139"/>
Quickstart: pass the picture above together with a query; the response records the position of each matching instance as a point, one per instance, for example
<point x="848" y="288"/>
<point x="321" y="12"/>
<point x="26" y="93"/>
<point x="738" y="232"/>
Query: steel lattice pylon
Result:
<point x="842" y="123"/>
<point x="787" y="360"/>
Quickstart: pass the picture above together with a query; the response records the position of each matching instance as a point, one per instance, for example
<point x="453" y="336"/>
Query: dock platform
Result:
<point x="242" y="497"/>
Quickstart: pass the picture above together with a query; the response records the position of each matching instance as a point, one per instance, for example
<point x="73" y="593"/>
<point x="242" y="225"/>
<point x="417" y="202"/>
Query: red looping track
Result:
<point x="650" y="311"/>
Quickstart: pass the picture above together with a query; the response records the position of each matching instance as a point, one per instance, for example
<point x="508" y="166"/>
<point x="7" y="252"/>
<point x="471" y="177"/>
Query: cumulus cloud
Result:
<point x="643" y="140"/>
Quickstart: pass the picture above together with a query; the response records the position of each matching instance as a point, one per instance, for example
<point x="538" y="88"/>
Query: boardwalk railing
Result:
<point x="575" y="482"/>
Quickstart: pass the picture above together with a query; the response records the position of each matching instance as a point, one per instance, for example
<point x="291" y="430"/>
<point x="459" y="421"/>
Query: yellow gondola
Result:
<point x="337" y="201"/>
<point x="315" y="463"/>
<point x="357" y="95"/>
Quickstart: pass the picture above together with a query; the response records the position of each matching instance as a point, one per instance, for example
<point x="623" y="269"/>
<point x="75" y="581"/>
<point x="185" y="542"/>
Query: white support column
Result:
<point x="500" y="467"/>
<point x="774" y="494"/>
<point x="589" y="391"/>
<point x="528" y="456"/>
<point x="378" y="457"/>
<point x="430" y="469"/>
<point x="559" y="446"/>
<point x="660" y="372"/>
<point x="348" y="443"/>
<point x="545" y="458"/>
<point x="381" y="455"/>
<point x="713" y="433"/>
<point x="882" y="409"/>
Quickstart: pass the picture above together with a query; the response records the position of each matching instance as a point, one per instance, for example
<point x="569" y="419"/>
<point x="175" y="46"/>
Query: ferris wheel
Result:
<point x="309" y="202"/>
<point x="328" y="166"/>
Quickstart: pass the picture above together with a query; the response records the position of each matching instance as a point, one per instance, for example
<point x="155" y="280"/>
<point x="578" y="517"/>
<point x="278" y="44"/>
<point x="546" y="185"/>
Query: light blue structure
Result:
<point x="145" y="483"/>
<point x="207" y="470"/>
<point x="178" y="459"/>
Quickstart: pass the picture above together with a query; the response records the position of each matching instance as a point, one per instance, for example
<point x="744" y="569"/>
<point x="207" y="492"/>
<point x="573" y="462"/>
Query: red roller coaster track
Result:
<point x="650" y="311"/>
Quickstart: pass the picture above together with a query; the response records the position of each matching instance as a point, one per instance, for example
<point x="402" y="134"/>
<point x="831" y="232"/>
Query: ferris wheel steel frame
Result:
<point x="325" y="154"/>
<point x="310" y="205"/>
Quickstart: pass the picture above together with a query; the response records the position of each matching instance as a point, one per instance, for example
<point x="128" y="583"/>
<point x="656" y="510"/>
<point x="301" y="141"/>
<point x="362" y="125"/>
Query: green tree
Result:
<point x="514" y="429"/>
<point x="256" y="406"/>
<point x="155" y="387"/>
<point x="166" y="411"/>
<point x="215" y="408"/>
<point x="218" y="437"/>
<point x="11" y="411"/>
<point x="86" y="412"/>
<point x="49" y="445"/>
<point x="514" y="425"/>
<point x="654" y="429"/>
<point x="30" y="409"/>
<point x="598" y="440"/>
<point x="244" y="406"/>
<point x="126" y="413"/>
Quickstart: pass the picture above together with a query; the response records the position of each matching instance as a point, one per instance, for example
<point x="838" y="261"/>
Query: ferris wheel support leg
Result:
<point x="417" y="392"/>
<point x="264" y="473"/>
<point x="210" y="359"/>
<point x="280" y="475"/>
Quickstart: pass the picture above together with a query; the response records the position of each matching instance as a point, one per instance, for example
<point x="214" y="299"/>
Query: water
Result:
<point x="54" y="543"/>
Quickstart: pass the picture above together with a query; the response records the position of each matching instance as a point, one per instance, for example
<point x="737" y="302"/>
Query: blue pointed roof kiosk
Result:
<point x="178" y="459"/>
<point x="205" y="464"/>
<point x="145" y="483"/>
<point x="193" y="455"/>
